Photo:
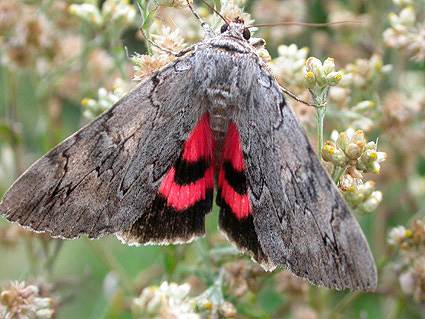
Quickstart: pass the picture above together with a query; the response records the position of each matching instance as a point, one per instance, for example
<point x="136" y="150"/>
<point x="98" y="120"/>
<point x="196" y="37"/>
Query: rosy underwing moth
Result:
<point x="214" y="118"/>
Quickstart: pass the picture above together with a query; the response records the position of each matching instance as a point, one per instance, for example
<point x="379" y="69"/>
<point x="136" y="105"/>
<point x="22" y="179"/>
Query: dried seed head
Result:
<point x="20" y="300"/>
<point x="227" y="310"/>
<point x="346" y="182"/>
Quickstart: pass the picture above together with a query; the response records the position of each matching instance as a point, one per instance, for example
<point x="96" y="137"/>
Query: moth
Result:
<point x="214" y="118"/>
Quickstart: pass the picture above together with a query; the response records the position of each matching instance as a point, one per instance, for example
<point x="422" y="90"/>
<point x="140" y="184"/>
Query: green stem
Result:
<point x="52" y="256"/>
<point x="320" y="96"/>
<point x="4" y="90"/>
<point x="84" y="58"/>
<point x="343" y="304"/>
<point x="320" y="115"/>
<point x="146" y="16"/>
<point x="33" y="258"/>
<point x="338" y="172"/>
<point x="118" y="58"/>
<point x="171" y="258"/>
<point x="111" y="264"/>
<point x="205" y="259"/>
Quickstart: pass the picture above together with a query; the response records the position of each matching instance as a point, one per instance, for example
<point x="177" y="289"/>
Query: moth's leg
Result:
<point x="157" y="45"/>
<point x="176" y="54"/>
<point x="296" y="98"/>
<point x="207" y="31"/>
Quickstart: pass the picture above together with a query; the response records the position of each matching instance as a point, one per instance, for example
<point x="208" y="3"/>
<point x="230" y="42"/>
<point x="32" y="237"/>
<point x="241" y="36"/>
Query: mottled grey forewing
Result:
<point x="301" y="220"/>
<point x="106" y="176"/>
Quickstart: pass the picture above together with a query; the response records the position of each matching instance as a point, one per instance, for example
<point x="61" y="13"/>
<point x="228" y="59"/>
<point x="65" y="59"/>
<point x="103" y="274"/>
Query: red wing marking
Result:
<point x="200" y="143"/>
<point x="191" y="178"/>
<point x="181" y="197"/>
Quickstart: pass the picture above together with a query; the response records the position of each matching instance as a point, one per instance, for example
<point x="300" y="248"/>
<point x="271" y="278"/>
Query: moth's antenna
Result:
<point x="205" y="26"/>
<point x="214" y="10"/>
<point x="305" y="24"/>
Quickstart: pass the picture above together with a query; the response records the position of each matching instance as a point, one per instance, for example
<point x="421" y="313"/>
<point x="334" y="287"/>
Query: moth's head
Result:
<point x="237" y="28"/>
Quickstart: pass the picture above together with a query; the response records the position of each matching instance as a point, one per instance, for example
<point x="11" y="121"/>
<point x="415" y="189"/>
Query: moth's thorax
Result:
<point x="226" y="70"/>
<point x="226" y="74"/>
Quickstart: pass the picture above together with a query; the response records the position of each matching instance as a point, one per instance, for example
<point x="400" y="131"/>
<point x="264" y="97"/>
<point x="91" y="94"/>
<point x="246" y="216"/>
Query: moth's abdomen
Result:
<point x="232" y="186"/>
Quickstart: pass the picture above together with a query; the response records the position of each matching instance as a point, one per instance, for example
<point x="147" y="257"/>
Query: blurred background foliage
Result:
<point x="63" y="62"/>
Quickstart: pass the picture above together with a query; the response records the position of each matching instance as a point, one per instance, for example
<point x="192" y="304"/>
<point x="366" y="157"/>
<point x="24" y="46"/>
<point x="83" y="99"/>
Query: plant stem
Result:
<point x="52" y="256"/>
<point x="343" y="304"/>
<point x="146" y="16"/>
<point x="111" y="264"/>
<point x="320" y="96"/>
<point x="337" y="173"/>
<point x="320" y="115"/>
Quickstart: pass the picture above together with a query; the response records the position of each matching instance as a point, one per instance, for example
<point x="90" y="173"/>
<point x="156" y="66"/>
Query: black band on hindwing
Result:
<point x="187" y="172"/>
<point x="241" y="232"/>
<point x="162" y="223"/>
<point x="235" y="178"/>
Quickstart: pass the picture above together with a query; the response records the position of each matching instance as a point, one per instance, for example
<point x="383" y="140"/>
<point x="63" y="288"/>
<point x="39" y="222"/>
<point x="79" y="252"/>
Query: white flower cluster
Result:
<point x="289" y="66"/>
<point x="406" y="33"/>
<point x="120" y="13"/>
<point x="104" y="100"/>
<point x="166" y="301"/>
<point x="320" y="74"/>
<point x="351" y="155"/>
<point x="411" y="244"/>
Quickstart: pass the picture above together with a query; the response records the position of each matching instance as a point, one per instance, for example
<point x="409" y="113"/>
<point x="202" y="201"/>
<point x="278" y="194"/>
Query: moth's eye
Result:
<point x="246" y="34"/>
<point x="223" y="28"/>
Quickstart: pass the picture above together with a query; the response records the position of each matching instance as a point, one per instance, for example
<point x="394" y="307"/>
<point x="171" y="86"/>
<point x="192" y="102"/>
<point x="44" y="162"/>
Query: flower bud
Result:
<point x="376" y="168"/>
<point x="327" y="151"/>
<point x="372" y="203"/>
<point x="315" y="66"/>
<point x="203" y="304"/>
<point x="376" y="63"/>
<point x="368" y="188"/>
<point x="381" y="157"/>
<point x="359" y="139"/>
<point x="363" y="106"/>
<point x="342" y="141"/>
<point x="354" y="197"/>
<point x="228" y="310"/>
<point x="333" y="78"/>
<point x="353" y="151"/>
<point x="334" y="136"/>
<point x="407" y="16"/>
<point x="44" y="314"/>
<point x="370" y="146"/>
<point x="328" y="66"/>
<point x="338" y="158"/>
<point x="86" y="12"/>
<point x="310" y="81"/>
<point x="407" y="282"/>
<point x="397" y="235"/>
<point x="393" y="19"/>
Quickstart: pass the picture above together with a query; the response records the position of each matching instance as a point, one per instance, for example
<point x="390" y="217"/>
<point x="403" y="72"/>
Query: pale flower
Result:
<point x="397" y="235"/>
